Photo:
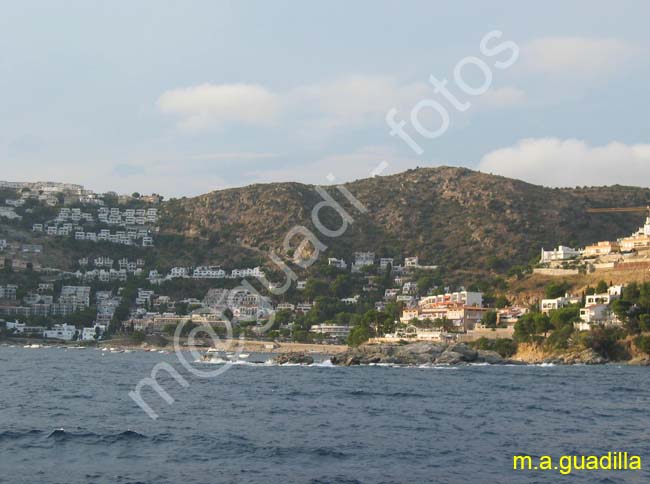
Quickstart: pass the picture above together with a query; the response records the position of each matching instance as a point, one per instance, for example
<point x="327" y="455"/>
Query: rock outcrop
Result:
<point x="640" y="361"/>
<point x="417" y="354"/>
<point x="294" y="359"/>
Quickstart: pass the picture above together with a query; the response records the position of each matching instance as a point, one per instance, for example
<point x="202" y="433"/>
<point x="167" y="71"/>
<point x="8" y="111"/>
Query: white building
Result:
<point x="179" y="272"/>
<point x="384" y="262"/>
<point x="9" y="212"/>
<point x="362" y="259"/>
<point x="391" y="293"/>
<point x="77" y="296"/>
<point x="465" y="298"/>
<point x="333" y="331"/>
<point x="93" y="333"/>
<point x="410" y="288"/>
<point x="548" y="305"/>
<point x="65" y="332"/>
<point x="338" y="263"/>
<point x="562" y="253"/>
<point x="411" y="262"/>
<point x="208" y="272"/>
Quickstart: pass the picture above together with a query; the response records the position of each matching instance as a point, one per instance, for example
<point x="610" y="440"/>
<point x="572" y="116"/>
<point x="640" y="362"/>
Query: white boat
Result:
<point x="243" y="355"/>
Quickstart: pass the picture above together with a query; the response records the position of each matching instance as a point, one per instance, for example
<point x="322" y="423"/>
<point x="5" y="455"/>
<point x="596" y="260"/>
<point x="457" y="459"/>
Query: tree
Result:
<point x="138" y="337"/>
<point x="531" y="324"/>
<point x="501" y="302"/>
<point x="542" y="324"/>
<point x="315" y="288"/>
<point x="621" y="309"/>
<point x="342" y="286"/>
<point x="644" y="322"/>
<point x="604" y="341"/>
<point x="559" y="339"/>
<point x="359" y="335"/>
<point x="564" y="316"/>
<point x="556" y="289"/>
<point x="504" y="346"/>
<point x="490" y="319"/>
<point x="643" y="344"/>
<point x="631" y="293"/>
<point x="424" y="283"/>
<point x="387" y="280"/>
<point x="602" y="287"/>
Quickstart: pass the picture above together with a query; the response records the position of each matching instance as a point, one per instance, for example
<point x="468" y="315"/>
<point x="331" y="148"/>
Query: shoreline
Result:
<point x="249" y="346"/>
<point x="522" y="358"/>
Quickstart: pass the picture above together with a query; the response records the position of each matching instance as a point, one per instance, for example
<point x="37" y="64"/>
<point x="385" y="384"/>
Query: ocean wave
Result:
<point x="433" y="366"/>
<point x="15" y="435"/>
<point x="62" y="435"/>
<point x="329" y="364"/>
<point x="221" y="361"/>
<point x="323" y="364"/>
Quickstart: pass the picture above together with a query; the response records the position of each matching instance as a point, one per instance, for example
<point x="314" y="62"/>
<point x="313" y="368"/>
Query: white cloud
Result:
<point x="209" y="105"/>
<point x="356" y="100"/>
<point x="582" y="56"/>
<point x="571" y="162"/>
<point x="315" y="110"/>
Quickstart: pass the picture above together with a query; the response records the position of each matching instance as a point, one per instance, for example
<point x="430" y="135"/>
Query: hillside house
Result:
<point x="601" y="249"/>
<point x="560" y="254"/>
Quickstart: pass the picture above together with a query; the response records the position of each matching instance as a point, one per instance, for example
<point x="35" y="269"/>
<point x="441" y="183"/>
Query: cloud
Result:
<point x="356" y="100"/>
<point x="210" y="105"/>
<point x="571" y="162"/>
<point x="582" y="56"/>
<point x="311" y="110"/>
<point x="343" y="167"/>
<point x="500" y="98"/>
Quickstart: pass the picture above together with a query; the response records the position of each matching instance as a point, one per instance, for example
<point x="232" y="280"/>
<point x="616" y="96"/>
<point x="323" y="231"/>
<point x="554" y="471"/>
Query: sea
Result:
<point x="66" y="417"/>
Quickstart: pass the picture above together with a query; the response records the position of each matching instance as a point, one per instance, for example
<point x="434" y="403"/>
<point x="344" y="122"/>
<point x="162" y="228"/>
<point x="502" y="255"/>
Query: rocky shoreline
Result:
<point x="419" y="354"/>
<point x="456" y="354"/>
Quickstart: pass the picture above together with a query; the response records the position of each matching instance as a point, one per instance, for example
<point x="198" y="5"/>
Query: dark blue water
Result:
<point x="269" y="424"/>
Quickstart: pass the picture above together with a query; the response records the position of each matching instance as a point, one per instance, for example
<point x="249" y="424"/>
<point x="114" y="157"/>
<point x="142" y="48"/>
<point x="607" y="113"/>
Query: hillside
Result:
<point x="462" y="220"/>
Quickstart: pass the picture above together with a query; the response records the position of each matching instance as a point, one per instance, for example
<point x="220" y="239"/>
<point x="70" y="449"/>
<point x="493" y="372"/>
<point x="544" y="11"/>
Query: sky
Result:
<point x="181" y="98"/>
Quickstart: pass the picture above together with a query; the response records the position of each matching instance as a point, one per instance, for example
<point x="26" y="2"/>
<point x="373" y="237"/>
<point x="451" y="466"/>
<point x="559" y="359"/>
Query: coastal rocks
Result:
<point x="468" y="354"/>
<point x="639" y="361"/>
<point x="451" y="358"/>
<point x="584" y="357"/>
<point x="294" y="359"/>
<point x="417" y="354"/>
<point x="490" y="357"/>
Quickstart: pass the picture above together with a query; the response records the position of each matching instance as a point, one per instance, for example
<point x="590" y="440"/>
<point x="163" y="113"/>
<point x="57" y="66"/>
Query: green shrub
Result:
<point x="504" y="346"/>
<point x="643" y="344"/>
